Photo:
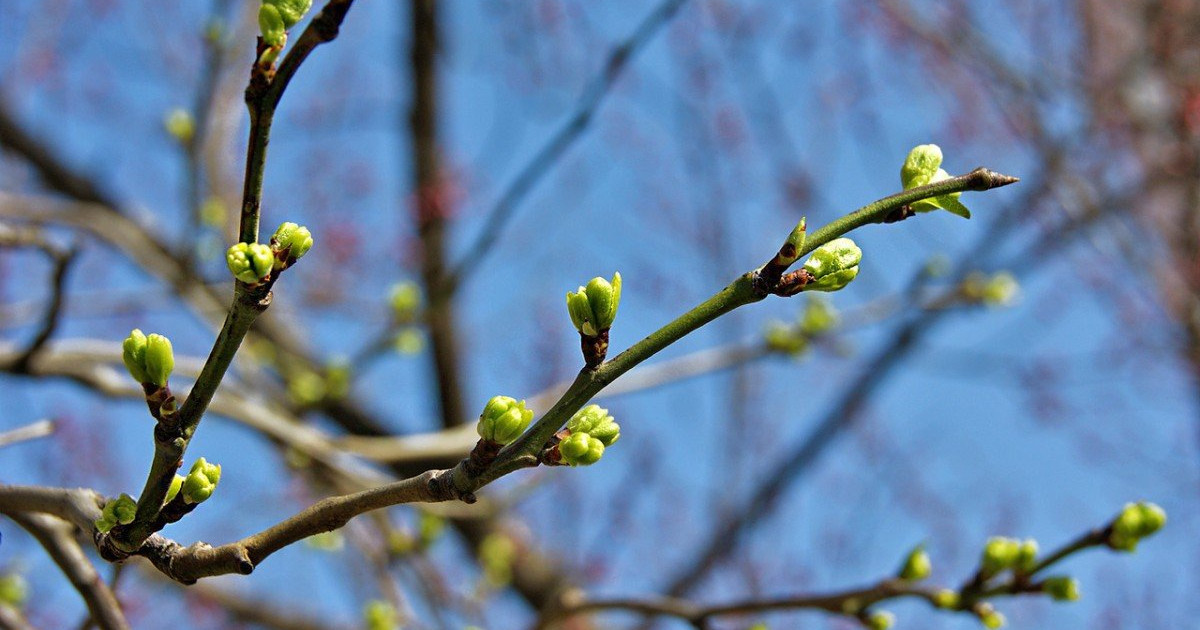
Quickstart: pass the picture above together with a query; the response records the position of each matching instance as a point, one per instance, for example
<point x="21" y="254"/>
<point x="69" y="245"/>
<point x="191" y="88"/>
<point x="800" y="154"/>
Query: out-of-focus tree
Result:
<point x="459" y="167"/>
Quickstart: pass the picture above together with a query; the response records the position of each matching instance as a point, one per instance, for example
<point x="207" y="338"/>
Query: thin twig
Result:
<point x="58" y="538"/>
<point x="31" y="431"/>
<point x="572" y="129"/>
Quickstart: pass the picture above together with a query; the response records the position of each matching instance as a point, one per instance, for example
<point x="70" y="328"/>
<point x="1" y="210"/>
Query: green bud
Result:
<point x="179" y="123"/>
<point x="380" y="615"/>
<point x="946" y="599"/>
<point x="833" y="265"/>
<point x="118" y="511"/>
<point x="306" y="387"/>
<point x="290" y="11"/>
<point x="881" y="620"/>
<point x="503" y="420"/>
<point x="270" y="24"/>
<point x="921" y="167"/>
<point x="201" y="481"/>
<point x="13" y="590"/>
<point x="1000" y="290"/>
<point x="496" y="555"/>
<point x="819" y="316"/>
<point x="796" y="241"/>
<point x="133" y="353"/>
<point x="213" y="212"/>
<point x="595" y="421"/>
<point x="993" y="620"/>
<point x="1061" y="588"/>
<point x="1026" y="558"/>
<point x="594" y="307"/>
<point x="408" y="341"/>
<point x="160" y="359"/>
<point x="1136" y="521"/>
<point x="999" y="553"/>
<point x="916" y="566"/>
<point x="292" y="242"/>
<point x="405" y="300"/>
<point x="173" y="491"/>
<point x="581" y="449"/>
<point x="783" y="338"/>
<point x="250" y="262"/>
<point x="430" y="528"/>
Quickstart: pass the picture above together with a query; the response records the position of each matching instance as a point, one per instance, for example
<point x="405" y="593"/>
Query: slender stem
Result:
<point x="746" y="289"/>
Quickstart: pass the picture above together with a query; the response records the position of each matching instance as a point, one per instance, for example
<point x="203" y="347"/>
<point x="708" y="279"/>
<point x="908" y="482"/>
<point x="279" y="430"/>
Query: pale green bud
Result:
<point x="496" y="555"/>
<point x="1136" y="521"/>
<point x="581" y="449"/>
<point x="819" y="316"/>
<point x="1026" y="556"/>
<point x="999" y="553"/>
<point x="992" y="619"/>
<point x="795" y="241"/>
<point x="430" y="528"/>
<point x="173" y="491"/>
<point x="503" y="420"/>
<point x="292" y="242"/>
<point x="13" y="590"/>
<point x="781" y="337"/>
<point x="881" y="620"/>
<point x="594" y="307"/>
<point x="595" y="421"/>
<point x="833" y="265"/>
<point x="160" y="359"/>
<point x="201" y="481"/>
<point x="179" y="123"/>
<point x="250" y="262"/>
<point x="133" y="353"/>
<point x="380" y="615"/>
<point x="213" y="212"/>
<point x="916" y="566"/>
<point x="946" y="599"/>
<point x="405" y="300"/>
<point x="270" y="24"/>
<point x="1000" y="290"/>
<point x="290" y="11"/>
<point x="921" y="167"/>
<point x="1062" y="588"/>
<point x="118" y="511"/>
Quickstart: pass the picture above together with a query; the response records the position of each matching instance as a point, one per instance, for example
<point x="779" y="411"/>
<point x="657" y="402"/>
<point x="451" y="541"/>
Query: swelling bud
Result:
<point x="916" y="566"/>
<point x="581" y="449"/>
<point x="594" y="307"/>
<point x="922" y="167"/>
<point x="149" y="359"/>
<point x="595" y="421"/>
<point x="118" y="511"/>
<point x="1061" y="588"/>
<point x="289" y="243"/>
<point x="250" y="262"/>
<point x="503" y="420"/>
<point x="201" y="481"/>
<point x="833" y="265"/>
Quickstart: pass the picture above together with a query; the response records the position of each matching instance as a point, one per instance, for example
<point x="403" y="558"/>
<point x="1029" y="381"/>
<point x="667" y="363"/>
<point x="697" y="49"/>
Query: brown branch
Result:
<point x="57" y="175"/>
<point x="58" y="538"/>
<point x="62" y="259"/>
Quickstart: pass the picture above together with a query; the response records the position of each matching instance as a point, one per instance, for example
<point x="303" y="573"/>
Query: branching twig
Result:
<point x="571" y="130"/>
<point x="62" y="258"/>
<point x="58" y="538"/>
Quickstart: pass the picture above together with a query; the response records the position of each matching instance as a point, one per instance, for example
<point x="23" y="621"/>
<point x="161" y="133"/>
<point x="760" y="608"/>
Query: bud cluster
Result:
<point x="1135" y="522"/>
<point x="591" y="431"/>
<point x="149" y="358"/>
<point x="503" y="420"/>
